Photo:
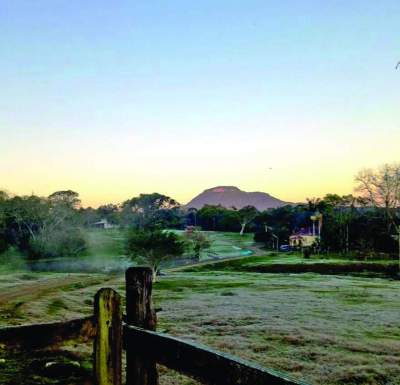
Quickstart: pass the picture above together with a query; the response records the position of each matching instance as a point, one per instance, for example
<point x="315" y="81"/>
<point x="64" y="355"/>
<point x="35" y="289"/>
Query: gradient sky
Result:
<point x="114" y="98"/>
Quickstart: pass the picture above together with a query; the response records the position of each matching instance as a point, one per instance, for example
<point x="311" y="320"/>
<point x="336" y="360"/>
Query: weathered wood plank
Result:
<point x="107" y="366"/>
<point x="139" y="306"/>
<point x="139" y="312"/>
<point x="198" y="361"/>
<point x="46" y="334"/>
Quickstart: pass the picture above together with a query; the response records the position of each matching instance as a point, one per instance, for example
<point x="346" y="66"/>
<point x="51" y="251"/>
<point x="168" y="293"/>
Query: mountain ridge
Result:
<point x="232" y="196"/>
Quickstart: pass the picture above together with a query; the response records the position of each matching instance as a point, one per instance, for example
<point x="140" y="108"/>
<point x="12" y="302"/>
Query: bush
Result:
<point x="152" y="247"/>
<point x="63" y="242"/>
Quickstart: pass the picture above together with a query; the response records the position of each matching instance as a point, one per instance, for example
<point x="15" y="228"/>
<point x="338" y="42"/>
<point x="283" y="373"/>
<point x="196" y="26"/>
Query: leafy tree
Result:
<point x="198" y="242"/>
<point x="209" y="217"/>
<point x="67" y="198"/>
<point x="60" y="234"/>
<point x="110" y="212"/>
<point x="369" y="232"/>
<point x="65" y="241"/>
<point x="262" y="220"/>
<point x="152" y="247"/>
<point x="88" y="216"/>
<point x="24" y="218"/>
<point x="150" y="211"/>
<point x="41" y="227"/>
<point x="314" y="204"/>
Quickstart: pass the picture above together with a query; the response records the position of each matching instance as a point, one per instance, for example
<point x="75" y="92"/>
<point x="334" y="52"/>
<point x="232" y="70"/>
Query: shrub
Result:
<point x="62" y="242"/>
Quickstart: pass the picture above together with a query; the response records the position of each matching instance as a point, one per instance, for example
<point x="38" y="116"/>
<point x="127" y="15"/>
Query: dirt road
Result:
<point x="41" y="286"/>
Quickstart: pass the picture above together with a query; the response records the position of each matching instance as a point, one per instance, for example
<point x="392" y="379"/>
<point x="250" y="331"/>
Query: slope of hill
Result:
<point x="231" y="196"/>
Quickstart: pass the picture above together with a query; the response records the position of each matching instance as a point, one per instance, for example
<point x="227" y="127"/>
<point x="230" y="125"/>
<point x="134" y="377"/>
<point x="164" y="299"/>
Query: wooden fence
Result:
<point x="144" y="346"/>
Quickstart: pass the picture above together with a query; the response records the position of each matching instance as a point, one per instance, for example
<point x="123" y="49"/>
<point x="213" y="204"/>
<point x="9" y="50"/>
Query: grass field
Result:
<point x="110" y="243"/>
<point x="226" y="244"/>
<point x="326" y="329"/>
<point x="272" y="262"/>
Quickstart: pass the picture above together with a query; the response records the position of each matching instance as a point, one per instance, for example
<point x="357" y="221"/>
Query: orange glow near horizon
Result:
<point x="321" y="166"/>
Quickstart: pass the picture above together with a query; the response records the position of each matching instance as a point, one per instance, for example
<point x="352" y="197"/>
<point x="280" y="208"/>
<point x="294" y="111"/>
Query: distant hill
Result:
<point x="231" y="196"/>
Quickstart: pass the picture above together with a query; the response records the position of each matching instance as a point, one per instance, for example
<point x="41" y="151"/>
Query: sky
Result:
<point x="113" y="99"/>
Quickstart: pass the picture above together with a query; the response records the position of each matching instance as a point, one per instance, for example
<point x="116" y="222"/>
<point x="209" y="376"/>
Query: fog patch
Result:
<point x="81" y="265"/>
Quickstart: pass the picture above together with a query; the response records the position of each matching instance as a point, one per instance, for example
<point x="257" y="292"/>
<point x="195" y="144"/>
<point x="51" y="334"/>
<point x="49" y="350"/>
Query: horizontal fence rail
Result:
<point x="198" y="361"/>
<point x="45" y="334"/>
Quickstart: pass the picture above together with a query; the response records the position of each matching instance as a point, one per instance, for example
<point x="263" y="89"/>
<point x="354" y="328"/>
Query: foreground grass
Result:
<point x="325" y="329"/>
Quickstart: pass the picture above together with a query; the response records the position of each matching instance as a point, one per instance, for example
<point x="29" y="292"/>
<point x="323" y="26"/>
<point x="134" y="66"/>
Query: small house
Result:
<point x="303" y="239"/>
<point x="103" y="224"/>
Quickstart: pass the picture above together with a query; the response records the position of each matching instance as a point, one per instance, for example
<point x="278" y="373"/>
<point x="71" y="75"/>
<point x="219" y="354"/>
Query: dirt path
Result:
<point x="42" y="286"/>
<point x="256" y="253"/>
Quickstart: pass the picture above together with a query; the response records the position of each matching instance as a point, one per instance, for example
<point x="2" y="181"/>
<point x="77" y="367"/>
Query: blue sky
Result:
<point x="116" y="98"/>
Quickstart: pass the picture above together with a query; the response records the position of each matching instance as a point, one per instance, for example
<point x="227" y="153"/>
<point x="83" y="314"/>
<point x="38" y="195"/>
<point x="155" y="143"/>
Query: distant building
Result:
<point x="103" y="224"/>
<point x="303" y="238"/>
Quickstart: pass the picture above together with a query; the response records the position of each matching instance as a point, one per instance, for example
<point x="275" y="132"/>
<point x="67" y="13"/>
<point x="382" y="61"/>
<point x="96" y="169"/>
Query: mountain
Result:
<point x="231" y="196"/>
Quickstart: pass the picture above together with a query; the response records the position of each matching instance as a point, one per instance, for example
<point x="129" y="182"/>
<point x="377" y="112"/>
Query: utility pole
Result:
<point x="273" y="236"/>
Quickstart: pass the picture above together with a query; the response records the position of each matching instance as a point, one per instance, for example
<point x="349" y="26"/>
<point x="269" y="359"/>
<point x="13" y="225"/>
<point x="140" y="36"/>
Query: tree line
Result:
<point x="41" y="227"/>
<point x="52" y="226"/>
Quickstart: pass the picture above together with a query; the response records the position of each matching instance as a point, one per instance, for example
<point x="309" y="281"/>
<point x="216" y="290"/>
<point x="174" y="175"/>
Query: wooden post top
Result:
<point x="108" y="342"/>
<point x="139" y="305"/>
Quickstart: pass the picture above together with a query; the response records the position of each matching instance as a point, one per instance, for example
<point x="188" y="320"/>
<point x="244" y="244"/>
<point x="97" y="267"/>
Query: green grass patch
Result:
<point x="105" y="243"/>
<point x="55" y="306"/>
<point x="295" y="263"/>
<point x="224" y="244"/>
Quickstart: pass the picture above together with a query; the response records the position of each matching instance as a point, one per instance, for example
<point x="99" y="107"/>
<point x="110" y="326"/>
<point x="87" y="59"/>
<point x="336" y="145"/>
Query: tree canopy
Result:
<point x="152" y="247"/>
<point x="150" y="210"/>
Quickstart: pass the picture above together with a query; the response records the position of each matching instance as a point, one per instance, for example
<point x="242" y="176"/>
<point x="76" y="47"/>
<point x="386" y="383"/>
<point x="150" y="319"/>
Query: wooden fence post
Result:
<point x="108" y="341"/>
<point x="139" y="312"/>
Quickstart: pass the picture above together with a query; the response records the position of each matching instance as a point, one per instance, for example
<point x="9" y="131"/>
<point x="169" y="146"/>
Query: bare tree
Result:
<point x="247" y="214"/>
<point x="381" y="188"/>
